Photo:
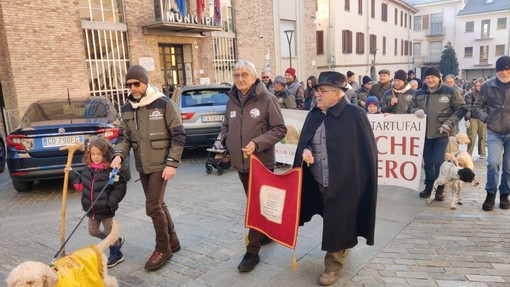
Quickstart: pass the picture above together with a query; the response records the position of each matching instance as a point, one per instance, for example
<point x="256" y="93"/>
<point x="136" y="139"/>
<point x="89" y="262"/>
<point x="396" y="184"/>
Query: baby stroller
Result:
<point x="218" y="158"/>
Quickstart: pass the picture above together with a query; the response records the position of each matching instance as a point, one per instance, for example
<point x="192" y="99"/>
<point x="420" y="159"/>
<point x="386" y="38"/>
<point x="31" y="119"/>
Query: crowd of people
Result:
<point x="338" y="185"/>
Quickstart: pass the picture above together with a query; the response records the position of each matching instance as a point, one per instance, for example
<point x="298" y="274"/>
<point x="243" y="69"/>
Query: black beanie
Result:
<point x="400" y="75"/>
<point x="434" y="71"/>
<point x="137" y="72"/>
<point x="503" y="63"/>
<point x="366" y="79"/>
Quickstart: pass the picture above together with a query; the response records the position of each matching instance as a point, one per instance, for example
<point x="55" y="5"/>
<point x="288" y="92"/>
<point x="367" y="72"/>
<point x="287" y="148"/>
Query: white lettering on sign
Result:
<point x="189" y="19"/>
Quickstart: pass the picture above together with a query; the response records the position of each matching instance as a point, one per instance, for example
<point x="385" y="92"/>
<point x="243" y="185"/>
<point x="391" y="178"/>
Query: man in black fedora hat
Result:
<point x="343" y="193"/>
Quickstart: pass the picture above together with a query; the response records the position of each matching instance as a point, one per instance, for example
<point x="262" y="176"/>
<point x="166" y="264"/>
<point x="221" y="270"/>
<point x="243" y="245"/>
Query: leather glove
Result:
<point x="445" y="128"/>
<point x="419" y="113"/>
<point x="468" y="124"/>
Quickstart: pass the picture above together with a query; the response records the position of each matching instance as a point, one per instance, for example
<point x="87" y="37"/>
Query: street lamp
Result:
<point x="289" y="33"/>
<point x="372" y="67"/>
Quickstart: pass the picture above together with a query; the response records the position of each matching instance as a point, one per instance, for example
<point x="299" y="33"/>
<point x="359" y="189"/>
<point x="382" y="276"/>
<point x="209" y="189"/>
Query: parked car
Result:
<point x="2" y="154"/>
<point x="202" y="110"/>
<point x="47" y="125"/>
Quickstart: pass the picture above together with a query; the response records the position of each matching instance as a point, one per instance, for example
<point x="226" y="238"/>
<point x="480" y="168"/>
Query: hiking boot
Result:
<point x="249" y="262"/>
<point x="175" y="245"/>
<point x="116" y="255"/>
<point x="329" y="277"/>
<point x="157" y="260"/>
<point x="488" y="204"/>
<point x="265" y="240"/>
<point x="504" y="203"/>
<point x="426" y="192"/>
<point x="440" y="193"/>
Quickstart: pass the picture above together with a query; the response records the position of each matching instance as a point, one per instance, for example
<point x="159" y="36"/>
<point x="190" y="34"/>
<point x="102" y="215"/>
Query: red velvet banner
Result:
<point x="274" y="203"/>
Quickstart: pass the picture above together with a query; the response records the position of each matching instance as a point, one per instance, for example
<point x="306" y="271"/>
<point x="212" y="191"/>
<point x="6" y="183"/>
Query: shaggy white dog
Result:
<point x="86" y="266"/>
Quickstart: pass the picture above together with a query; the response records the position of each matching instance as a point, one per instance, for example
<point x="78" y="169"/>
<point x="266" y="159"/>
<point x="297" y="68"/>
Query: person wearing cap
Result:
<point x="253" y="124"/>
<point x="152" y="126"/>
<point x="411" y="76"/>
<point x="398" y="99"/>
<point x="362" y="92"/>
<point x="444" y="108"/>
<point x="382" y="86"/>
<point x="286" y="99"/>
<point x="295" y="87"/>
<point x="339" y="180"/>
<point x="351" y="79"/>
<point x="492" y="108"/>
<point x="372" y="105"/>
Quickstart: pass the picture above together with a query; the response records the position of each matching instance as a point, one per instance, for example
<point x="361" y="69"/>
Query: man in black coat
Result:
<point x="339" y="152"/>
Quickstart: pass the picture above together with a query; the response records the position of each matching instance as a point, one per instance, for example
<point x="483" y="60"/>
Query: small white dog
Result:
<point x="452" y="176"/>
<point x="84" y="267"/>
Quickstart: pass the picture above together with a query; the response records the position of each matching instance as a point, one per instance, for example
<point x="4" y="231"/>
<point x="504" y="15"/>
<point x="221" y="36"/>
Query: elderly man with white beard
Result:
<point x="492" y="108"/>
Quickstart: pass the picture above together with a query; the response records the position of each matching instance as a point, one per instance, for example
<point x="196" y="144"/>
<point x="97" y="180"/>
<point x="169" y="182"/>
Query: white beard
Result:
<point x="501" y="80"/>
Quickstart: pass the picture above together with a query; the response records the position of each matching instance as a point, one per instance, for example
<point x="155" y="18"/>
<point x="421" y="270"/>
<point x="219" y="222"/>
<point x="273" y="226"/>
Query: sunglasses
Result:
<point x="265" y="77"/>
<point x="136" y="84"/>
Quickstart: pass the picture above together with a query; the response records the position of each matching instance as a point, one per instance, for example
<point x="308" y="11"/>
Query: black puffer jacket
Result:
<point x="492" y="107"/>
<point x="91" y="181"/>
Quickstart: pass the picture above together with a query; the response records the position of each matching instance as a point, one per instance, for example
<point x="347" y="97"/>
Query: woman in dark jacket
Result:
<point x="310" y="93"/>
<point x="93" y="178"/>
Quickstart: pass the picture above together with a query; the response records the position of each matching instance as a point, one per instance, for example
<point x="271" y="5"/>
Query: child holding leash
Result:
<point x="91" y="182"/>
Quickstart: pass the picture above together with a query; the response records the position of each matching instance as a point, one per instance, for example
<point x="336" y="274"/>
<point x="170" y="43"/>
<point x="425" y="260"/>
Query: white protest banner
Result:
<point x="400" y="140"/>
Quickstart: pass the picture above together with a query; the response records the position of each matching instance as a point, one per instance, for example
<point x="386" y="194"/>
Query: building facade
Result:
<point x="483" y="35"/>
<point x="364" y="36"/>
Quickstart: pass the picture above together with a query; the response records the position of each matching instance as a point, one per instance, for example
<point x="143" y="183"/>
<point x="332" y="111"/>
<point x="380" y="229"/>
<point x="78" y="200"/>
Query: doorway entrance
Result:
<point x="172" y="66"/>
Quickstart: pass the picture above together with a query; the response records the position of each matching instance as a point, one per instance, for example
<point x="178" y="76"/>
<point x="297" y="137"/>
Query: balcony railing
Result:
<point x="435" y="30"/>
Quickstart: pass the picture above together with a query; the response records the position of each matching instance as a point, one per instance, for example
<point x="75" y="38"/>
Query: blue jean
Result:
<point x="433" y="157"/>
<point x="498" y="150"/>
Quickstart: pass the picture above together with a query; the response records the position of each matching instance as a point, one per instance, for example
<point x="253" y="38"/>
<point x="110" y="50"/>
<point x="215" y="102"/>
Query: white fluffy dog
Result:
<point x="86" y="266"/>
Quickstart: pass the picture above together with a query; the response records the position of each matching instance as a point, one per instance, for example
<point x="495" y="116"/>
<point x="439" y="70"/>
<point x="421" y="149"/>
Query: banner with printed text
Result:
<point x="400" y="140"/>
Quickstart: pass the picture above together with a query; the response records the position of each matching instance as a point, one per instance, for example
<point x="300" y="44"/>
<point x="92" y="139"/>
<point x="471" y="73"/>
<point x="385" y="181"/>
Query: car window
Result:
<point x="90" y="108"/>
<point x="204" y="98"/>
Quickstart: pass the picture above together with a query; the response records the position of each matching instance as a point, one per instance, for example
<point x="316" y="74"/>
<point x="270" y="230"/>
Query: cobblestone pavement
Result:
<point x="416" y="245"/>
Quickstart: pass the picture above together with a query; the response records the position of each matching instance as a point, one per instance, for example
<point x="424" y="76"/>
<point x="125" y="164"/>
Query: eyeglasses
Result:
<point x="243" y="75"/>
<point x="265" y="77"/>
<point x="321" y="91"/>
<point x="136" y="84"/>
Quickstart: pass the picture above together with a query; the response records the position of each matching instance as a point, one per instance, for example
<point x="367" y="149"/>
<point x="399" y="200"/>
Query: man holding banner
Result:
<point x="339" y="152"/>
<point x="253" y="124"/>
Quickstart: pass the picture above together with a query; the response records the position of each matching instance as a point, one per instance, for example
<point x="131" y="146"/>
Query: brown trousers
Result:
<point x="254" y="236"/>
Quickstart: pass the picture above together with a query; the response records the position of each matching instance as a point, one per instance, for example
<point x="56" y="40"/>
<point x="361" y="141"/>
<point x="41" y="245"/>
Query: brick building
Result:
<point x="83" y="47"/>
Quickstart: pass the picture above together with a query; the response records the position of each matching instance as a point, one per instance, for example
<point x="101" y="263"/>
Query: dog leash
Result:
<point x="111" y="180"/>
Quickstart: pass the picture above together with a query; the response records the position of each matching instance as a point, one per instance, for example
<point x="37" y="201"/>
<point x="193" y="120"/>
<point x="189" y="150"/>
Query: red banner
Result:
<point x="274" y="203"/>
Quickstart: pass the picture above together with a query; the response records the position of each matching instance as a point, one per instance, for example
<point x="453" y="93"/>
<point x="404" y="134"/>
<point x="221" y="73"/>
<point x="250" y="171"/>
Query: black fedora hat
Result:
<point x="334" y="79"/>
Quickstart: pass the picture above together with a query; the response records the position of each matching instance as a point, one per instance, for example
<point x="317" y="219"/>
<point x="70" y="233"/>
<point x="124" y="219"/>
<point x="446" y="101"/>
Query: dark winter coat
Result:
<point x="90" y="182"/>
<point x="349" y="210"/>
<point x="259" y="120"/>
<point x="492" y="107"/>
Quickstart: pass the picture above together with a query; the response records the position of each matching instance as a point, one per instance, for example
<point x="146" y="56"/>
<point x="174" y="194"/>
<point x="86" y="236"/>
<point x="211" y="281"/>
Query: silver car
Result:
<point x="202" y="110"/>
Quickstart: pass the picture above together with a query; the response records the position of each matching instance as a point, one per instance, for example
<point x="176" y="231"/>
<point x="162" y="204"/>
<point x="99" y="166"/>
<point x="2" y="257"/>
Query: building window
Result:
<point x="106" y="48"/>
<point x="484" y="55"/>
<point x="436" y="24"/>
<point x="347" y="5"/>
<point x="405" y="20"/>
<point x="384" y="45"/>
<point x="384" y="12"/>
<point x="373" y="43"/>
<point x="410" y="45"/>
<point x="401" y="47"/>
<point x="410" y="21"/>
<point x="396" y="17"/>
<point x="346" y="41"/>
<point x="425" y="23"/>
<point x="470" y="26"/>
<point x="372" y="13"/>
<point x="417" y="50"/>
<point x="360" y="43"/>
<point x="320" y="42"/>
<point x="500" y="50"/>
<point x="417" y="23"/>
<point x="406" y="47"/>
<point x="468" y="52"/>
<point x="486" y="26"/>
<point x="224" y="59"/>
<point x="360" y="7"/>
<point x="501" y="23"/>
<point x="436" y="49"/>
<point x="396" y="48"/>
<point x="401" y="18"/>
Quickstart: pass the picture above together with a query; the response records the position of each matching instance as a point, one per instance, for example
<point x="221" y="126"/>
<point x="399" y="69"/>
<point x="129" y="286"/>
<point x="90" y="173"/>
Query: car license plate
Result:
<point x="62" y="141"/>
<point x="212" y="118"/>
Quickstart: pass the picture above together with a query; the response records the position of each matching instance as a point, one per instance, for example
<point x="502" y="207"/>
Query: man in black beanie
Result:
<point x="444" y="108"/>
<point x="411" y="75"/>
<point x="152" y="125"/>
<point x="492" y="108"/>
<point x="398" y="99"/>
<point x="363" y="91"/>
